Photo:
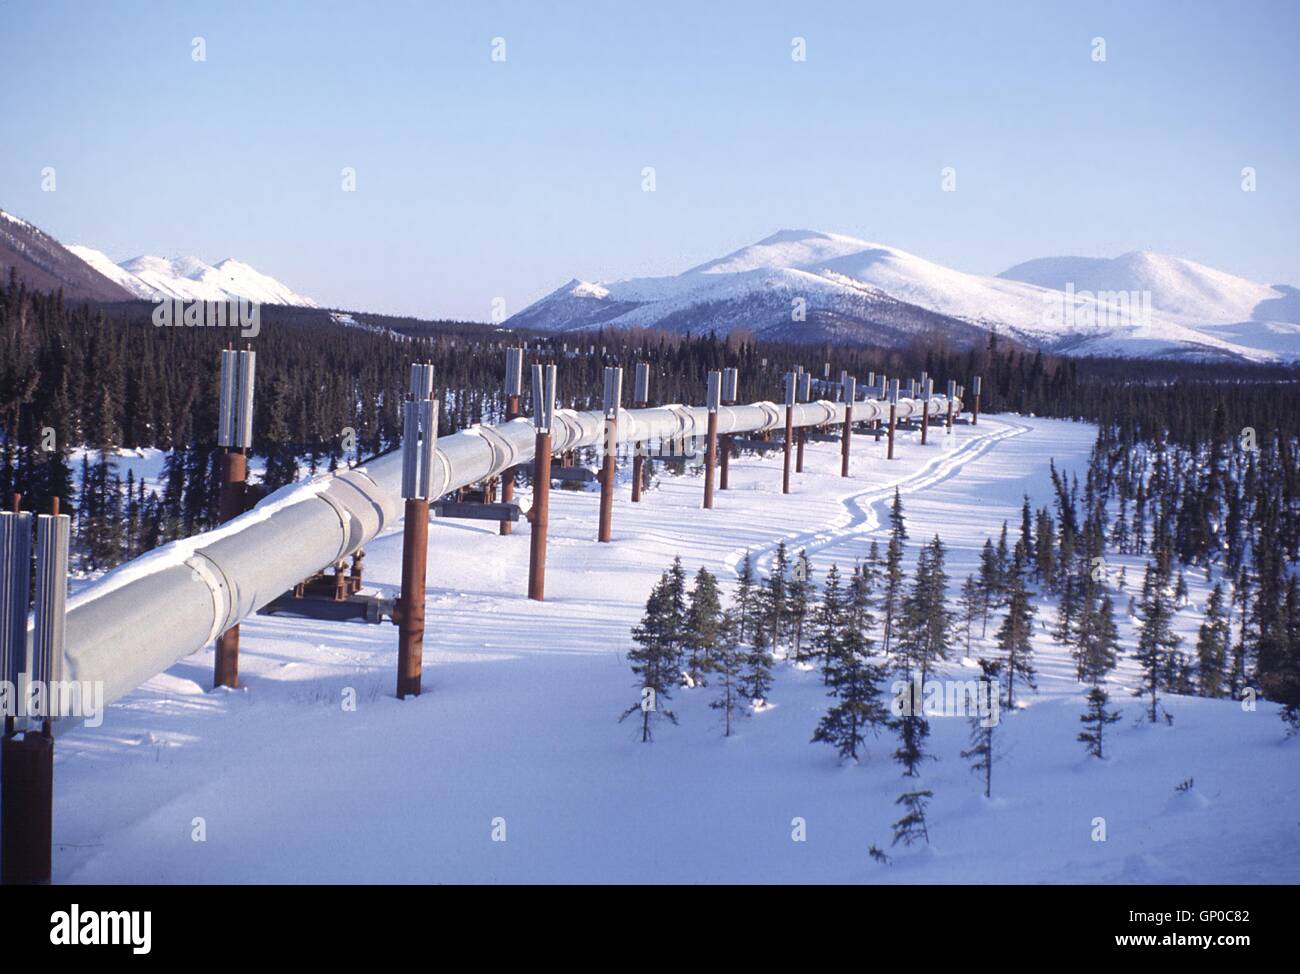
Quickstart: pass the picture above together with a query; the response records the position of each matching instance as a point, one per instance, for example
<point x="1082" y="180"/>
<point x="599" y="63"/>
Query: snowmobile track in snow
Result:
<point x="865" y="510"/>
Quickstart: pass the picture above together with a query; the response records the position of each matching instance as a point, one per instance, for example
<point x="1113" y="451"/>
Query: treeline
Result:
<point x="105" y="378"/>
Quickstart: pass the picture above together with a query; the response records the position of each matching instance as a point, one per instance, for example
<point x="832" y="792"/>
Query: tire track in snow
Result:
<point x="865" y="510"/>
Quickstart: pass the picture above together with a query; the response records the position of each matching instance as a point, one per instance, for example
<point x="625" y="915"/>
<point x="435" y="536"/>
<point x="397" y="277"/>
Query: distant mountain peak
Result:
<point x="44" y="263"/>
<point x="813" y="285"/>
<point x="191" y="278"/>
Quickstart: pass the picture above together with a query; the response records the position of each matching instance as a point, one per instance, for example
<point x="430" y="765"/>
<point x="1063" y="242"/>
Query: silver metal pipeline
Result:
<point x="150" y="612"/>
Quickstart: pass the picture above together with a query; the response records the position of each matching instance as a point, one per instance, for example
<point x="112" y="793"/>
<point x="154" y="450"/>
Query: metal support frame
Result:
<point x="514" y="389"/>
<point x="27" y="753"/>
<point x="804" y="395"/>
<point x="848" y="392"/>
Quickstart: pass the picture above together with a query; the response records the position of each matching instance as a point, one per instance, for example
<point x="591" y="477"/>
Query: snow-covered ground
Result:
<point x="518" y="726"/>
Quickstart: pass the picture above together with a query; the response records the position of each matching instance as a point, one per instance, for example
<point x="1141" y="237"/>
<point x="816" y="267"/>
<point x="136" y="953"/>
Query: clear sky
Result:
<point x="478" y="178"/>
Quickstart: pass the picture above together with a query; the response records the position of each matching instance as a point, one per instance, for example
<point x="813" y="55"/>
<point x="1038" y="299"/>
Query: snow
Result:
<point x="191" y="279"/>
<point x="13" y="219"/>
<point x="1190" y="302"/>
<point x="519" y="722"/>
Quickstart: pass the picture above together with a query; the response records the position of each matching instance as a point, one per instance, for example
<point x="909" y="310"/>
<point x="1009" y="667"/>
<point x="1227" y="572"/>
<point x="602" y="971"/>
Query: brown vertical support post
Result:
<point x="640" y="399"/>
<point x="419" y="446"/>
<point x="613" y="397"/>
<point x="638" y="471"/>
<point x="234" y="474"/>
<point x="789" y="432"/>
<point x="538" y="515"/>
<point x="508" y="476"/>
<point x="710" y="459"/>
<point x="952" y="394"/>
<point x="235" y="433"/>
<point x="355" y="575"/>
<point x="543" y="417"/>
<point x="803" y="394"/>
<point x="975" y="414"/>
<point x="27" y="812"/>
<point x="925" y="419"/>
<point x="893" y="415"/>
<point x="730" y="392"/>
<point x="845" y="439"/>
<point x="712" y="402"/>
<point x="790" y="380"/>
<point x="410" y="632"/>
<point x="607" y="472"/>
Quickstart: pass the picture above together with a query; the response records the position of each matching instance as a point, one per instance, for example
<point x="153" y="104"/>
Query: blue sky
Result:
<point x="477" y="179"/>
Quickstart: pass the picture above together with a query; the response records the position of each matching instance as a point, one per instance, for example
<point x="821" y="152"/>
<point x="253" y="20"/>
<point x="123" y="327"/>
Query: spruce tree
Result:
<point x="1156" y="638"/>
<point x="1098" y="646"/>
<point x="854" y="681"/>
<point x="774" y="601"/>
<point x="1095" y="720"/>
<point x="756" y="674"/>
<point x="1212" y="647"/>
<point x="798" y="590"/>
<point x="892" y="596"/>
<point x="1015" y="634"/>
<point x="925" y="624"/>
<point x="982" y="726"/>
<point x="970" y="610"/>
<point x="654" y="660"/>
<point x="828" y="622"/>
<point x="745" y="600"/>
<point x="704" y="625"/>
<point x="989" y="580"/>
<point x="675" y="592"/>
<point x="912" y="826"/>
<point x="728" y="667"/>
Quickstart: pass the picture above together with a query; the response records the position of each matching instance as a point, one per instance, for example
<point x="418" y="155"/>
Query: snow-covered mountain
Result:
<point x="1261" y="316"/>
<point x="852" y="289"/>
<point x="42" y="262"/>
<point x="192" y="279"/>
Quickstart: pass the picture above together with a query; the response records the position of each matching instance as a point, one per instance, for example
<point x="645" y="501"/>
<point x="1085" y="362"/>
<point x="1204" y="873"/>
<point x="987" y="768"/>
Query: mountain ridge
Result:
<point x="1194" y="311"/>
